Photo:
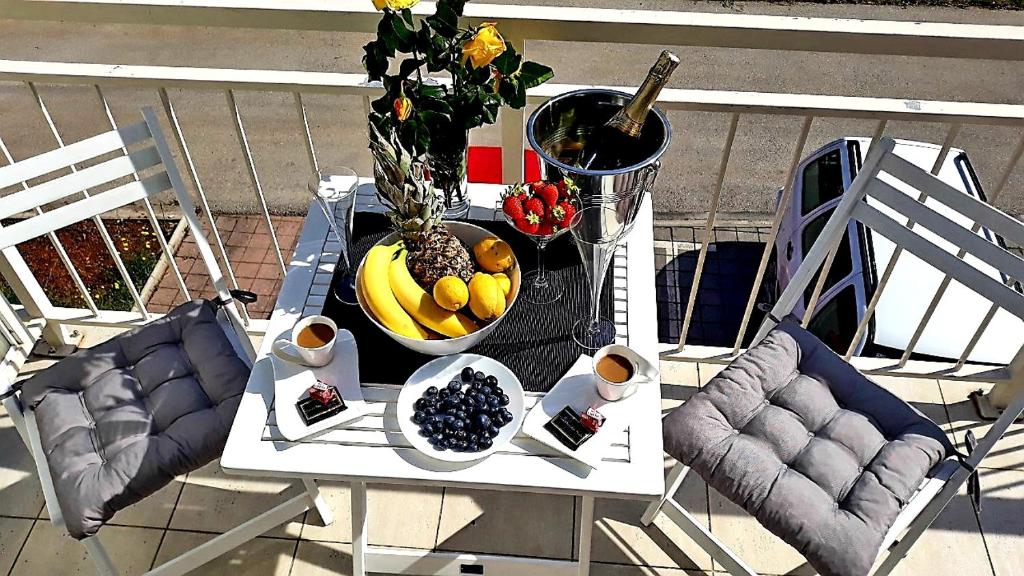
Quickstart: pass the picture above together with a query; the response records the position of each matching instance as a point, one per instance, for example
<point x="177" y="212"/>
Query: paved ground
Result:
<point x="194" y="507"/>
<point x="763" y="145"/>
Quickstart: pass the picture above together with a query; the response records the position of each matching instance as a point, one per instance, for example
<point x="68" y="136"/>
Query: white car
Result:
<point x="819" y="182"/>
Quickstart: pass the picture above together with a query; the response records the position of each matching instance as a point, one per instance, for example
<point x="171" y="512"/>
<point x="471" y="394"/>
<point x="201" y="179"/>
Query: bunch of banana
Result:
<point x="399" y="303"/>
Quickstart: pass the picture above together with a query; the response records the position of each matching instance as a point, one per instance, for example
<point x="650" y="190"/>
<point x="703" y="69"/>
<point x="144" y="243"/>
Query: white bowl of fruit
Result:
<point x="441" y="290"/>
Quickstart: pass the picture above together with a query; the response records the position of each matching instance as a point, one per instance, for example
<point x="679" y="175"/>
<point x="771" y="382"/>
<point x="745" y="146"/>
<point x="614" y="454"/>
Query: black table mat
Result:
<point x="533" y="340"/>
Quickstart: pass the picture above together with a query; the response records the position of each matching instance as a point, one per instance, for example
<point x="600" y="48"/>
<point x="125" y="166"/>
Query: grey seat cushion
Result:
<point x="820" y="455"/>
<point x="120" y="420"/>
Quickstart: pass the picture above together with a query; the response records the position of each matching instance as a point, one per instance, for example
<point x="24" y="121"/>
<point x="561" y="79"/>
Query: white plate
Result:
<point x="438" y="373"/>
<point x="292" y="381"/>
<point x="578" y="389"/>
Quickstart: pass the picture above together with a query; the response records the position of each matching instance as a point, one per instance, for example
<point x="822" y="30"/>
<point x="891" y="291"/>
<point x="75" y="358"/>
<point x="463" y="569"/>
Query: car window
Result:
<point x="842" y="266"/>
<point x="822" y="181"/>
<point x="836" y="321"/>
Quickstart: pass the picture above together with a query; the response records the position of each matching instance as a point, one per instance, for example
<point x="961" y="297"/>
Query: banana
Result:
<point x="421" y="306"/>
<point x="376" y="288"/>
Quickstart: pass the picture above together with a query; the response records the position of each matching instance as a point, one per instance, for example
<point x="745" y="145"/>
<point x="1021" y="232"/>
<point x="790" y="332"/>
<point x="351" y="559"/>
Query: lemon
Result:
<point x="493" y="254"/>
<point x="486" y="300"/>
<point x="451" y="293"/>
<point x="503" y="282"/>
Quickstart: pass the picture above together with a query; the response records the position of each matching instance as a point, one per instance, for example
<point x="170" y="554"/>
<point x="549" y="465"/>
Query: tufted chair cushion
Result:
<point x="823" y="458"/>
<point x="120" y="420"/>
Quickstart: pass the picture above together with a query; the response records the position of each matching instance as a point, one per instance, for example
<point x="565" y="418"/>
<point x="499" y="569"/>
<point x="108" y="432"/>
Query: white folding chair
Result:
<point x="147" y="160"/>
<point x="882" y="199"/>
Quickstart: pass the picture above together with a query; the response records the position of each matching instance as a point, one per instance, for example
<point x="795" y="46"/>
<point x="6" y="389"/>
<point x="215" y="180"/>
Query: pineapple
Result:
<point x="415" y="210"/>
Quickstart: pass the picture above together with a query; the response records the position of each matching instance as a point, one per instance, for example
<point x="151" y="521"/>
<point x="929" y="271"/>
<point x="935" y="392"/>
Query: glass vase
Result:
<point x="447" y="161"/>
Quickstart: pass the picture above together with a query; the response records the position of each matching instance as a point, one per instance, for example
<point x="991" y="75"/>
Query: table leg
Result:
<point x="358" y="492"/>
<point x="326" y="516"/>
<point x="586" y="530"/>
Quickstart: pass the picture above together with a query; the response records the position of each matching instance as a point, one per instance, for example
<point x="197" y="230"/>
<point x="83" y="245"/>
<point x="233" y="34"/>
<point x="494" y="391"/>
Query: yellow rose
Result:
<point x="403" y="107"/>
<point x="484" y="47"/>
<point x="395" y="5"/>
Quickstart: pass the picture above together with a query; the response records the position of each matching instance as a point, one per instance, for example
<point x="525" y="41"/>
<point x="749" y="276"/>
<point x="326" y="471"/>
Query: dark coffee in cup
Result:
<point x="615" y="368"/>
<point x="315" y="335"/>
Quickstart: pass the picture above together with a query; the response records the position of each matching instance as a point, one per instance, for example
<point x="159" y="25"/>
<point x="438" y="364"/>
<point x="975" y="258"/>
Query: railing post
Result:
<point x="513" y="123"/>
<point x="24" y="284"/>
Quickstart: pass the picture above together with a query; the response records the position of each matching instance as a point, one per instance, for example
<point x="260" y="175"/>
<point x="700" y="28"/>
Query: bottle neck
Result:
<point x="630" y="120"/>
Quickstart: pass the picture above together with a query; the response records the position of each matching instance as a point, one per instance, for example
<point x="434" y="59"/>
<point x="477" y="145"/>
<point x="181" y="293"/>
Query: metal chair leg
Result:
<point x="672" y="483"/>
<point x="104" y="566"/>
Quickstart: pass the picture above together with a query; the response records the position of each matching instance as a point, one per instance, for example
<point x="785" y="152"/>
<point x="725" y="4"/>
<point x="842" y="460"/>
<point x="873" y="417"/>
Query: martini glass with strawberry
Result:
<point x="542" y="211"/>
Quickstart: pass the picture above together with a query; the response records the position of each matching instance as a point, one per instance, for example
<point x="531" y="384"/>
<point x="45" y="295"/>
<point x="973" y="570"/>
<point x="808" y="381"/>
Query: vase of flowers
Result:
<point x="447" y="81"/>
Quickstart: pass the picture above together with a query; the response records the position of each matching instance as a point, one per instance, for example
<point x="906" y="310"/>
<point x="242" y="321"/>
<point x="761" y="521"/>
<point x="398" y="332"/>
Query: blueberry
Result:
<point x="426" y="431"/>
<point x="491" y="381"/>
<point x="486" y="443"/>
<point x="503" y="400"/>
<point x="486" y="391"/>
<point x="431" y="391"/>
<point x="507" y="414"/>
<point x="479" y="376"/>
<point x="454" y="386"/>
<point x="430" y="411"/>
<point x="462" y="445"/>
<point x="480" y="398"/>
<point x="469" y="402"/>
<point x="461" y="434"/>
<point x="482" y="422"/>
<point x="467" y="374"/>
<point x="441" y="445"/>
<point x="443" y="393"/>
<point x="419" y="417"/>
<point x="472" y="447"/>
<point x="497" y="391"/>
<point x="419" y="405"/>
<point x="493" y="431"/>
<point x="436" y="437"/>
<point x="473" y="437"/>
<point x="459" y="396"/>
<point x="460" y="415"/>
<point x="493" y="401"/>
<point x="459" y="424"/>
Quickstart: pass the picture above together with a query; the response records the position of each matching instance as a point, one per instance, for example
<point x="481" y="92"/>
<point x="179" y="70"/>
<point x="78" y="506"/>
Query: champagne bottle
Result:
<point x="607" y="148"/>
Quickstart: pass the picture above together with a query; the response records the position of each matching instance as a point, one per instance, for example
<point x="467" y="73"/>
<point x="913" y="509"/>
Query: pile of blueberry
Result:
<point x="464" y="416"/>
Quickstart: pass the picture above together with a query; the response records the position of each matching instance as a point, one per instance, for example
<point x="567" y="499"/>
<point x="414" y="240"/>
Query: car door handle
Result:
<point x="789" y="250"/>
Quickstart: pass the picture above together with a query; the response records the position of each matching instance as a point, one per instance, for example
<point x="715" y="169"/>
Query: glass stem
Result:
<point x="541" y="279"/>
<point x="595" y="299"/>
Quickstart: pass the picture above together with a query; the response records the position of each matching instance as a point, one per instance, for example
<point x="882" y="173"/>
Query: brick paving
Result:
<point x="250" y="250"/>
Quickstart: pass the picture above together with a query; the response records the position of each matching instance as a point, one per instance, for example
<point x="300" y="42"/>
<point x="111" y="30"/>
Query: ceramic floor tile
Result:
<point x="20" y="494"/>
<point x="740" y="532"/>
<point x="523" y="524"/>
<point x="620" y="538"/>
<point x="322" y="559"/>
<point x="1008" y="452"/>
<point x="1002" y="519"/>
<point x="708" y="371"/>
<point x="49" y="551"/>
<point x="679" y="373"/>
<point x="258" y="557"/>
<point x="397" y="515"/>
<point x="151" y="512"/>
<point x="13" y="532"/>
<point x="213" y="501"/>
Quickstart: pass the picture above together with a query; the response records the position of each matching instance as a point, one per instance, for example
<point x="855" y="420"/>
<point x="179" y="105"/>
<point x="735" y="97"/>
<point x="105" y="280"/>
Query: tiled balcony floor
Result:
<point x="190" y="510"/>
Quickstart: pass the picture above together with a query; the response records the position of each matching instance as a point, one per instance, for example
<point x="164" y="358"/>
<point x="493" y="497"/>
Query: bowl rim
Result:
<point x="468" y="457"/>
<point x="369" y="315"/>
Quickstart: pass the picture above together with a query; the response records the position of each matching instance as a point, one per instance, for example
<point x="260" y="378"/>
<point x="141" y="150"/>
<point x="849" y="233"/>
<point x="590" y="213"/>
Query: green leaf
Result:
<point x="386" y="33"/>
<point x="534" y="74"/>
<point x="431" y="91"/>
<point x="508" y="62"/>
<point x="408" y="67"/>
<point x="407" y="16"/>
<point x="445" y="20"/>
<point x="374" y="61"/>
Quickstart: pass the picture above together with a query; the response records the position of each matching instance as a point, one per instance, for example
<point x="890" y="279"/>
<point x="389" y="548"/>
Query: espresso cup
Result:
<point x="293" y="351"/>
<point x="642" y="370"/>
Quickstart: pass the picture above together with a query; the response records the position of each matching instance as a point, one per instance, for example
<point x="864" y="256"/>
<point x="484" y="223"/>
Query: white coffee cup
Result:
<point x="292" y="351"/>
<point x="641" y="368"/>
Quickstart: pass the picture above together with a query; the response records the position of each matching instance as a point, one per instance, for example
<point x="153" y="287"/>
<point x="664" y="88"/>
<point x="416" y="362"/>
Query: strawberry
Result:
<point x="535" y="205"/>
<point x="512" y="205"/>
<point x="546" y="228"/>
<point x="562" y="213"/>
<point x="547" y="192"/>
<point x="529" y="224"/>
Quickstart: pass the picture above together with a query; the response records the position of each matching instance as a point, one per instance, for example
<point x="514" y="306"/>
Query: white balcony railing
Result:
<point x="522" y="24"/>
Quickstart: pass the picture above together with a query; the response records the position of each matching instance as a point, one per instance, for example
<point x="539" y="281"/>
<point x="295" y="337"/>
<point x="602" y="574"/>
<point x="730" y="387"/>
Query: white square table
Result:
<point x="373" y="450"/>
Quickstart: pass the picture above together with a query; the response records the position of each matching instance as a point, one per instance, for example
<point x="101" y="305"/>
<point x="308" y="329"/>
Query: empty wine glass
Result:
<point x="597" y="230"/>
<point x="334" y="189"/>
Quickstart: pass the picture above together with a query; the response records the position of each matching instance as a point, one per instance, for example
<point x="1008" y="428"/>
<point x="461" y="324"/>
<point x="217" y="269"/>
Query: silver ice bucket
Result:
<point x="559" y="129"/>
